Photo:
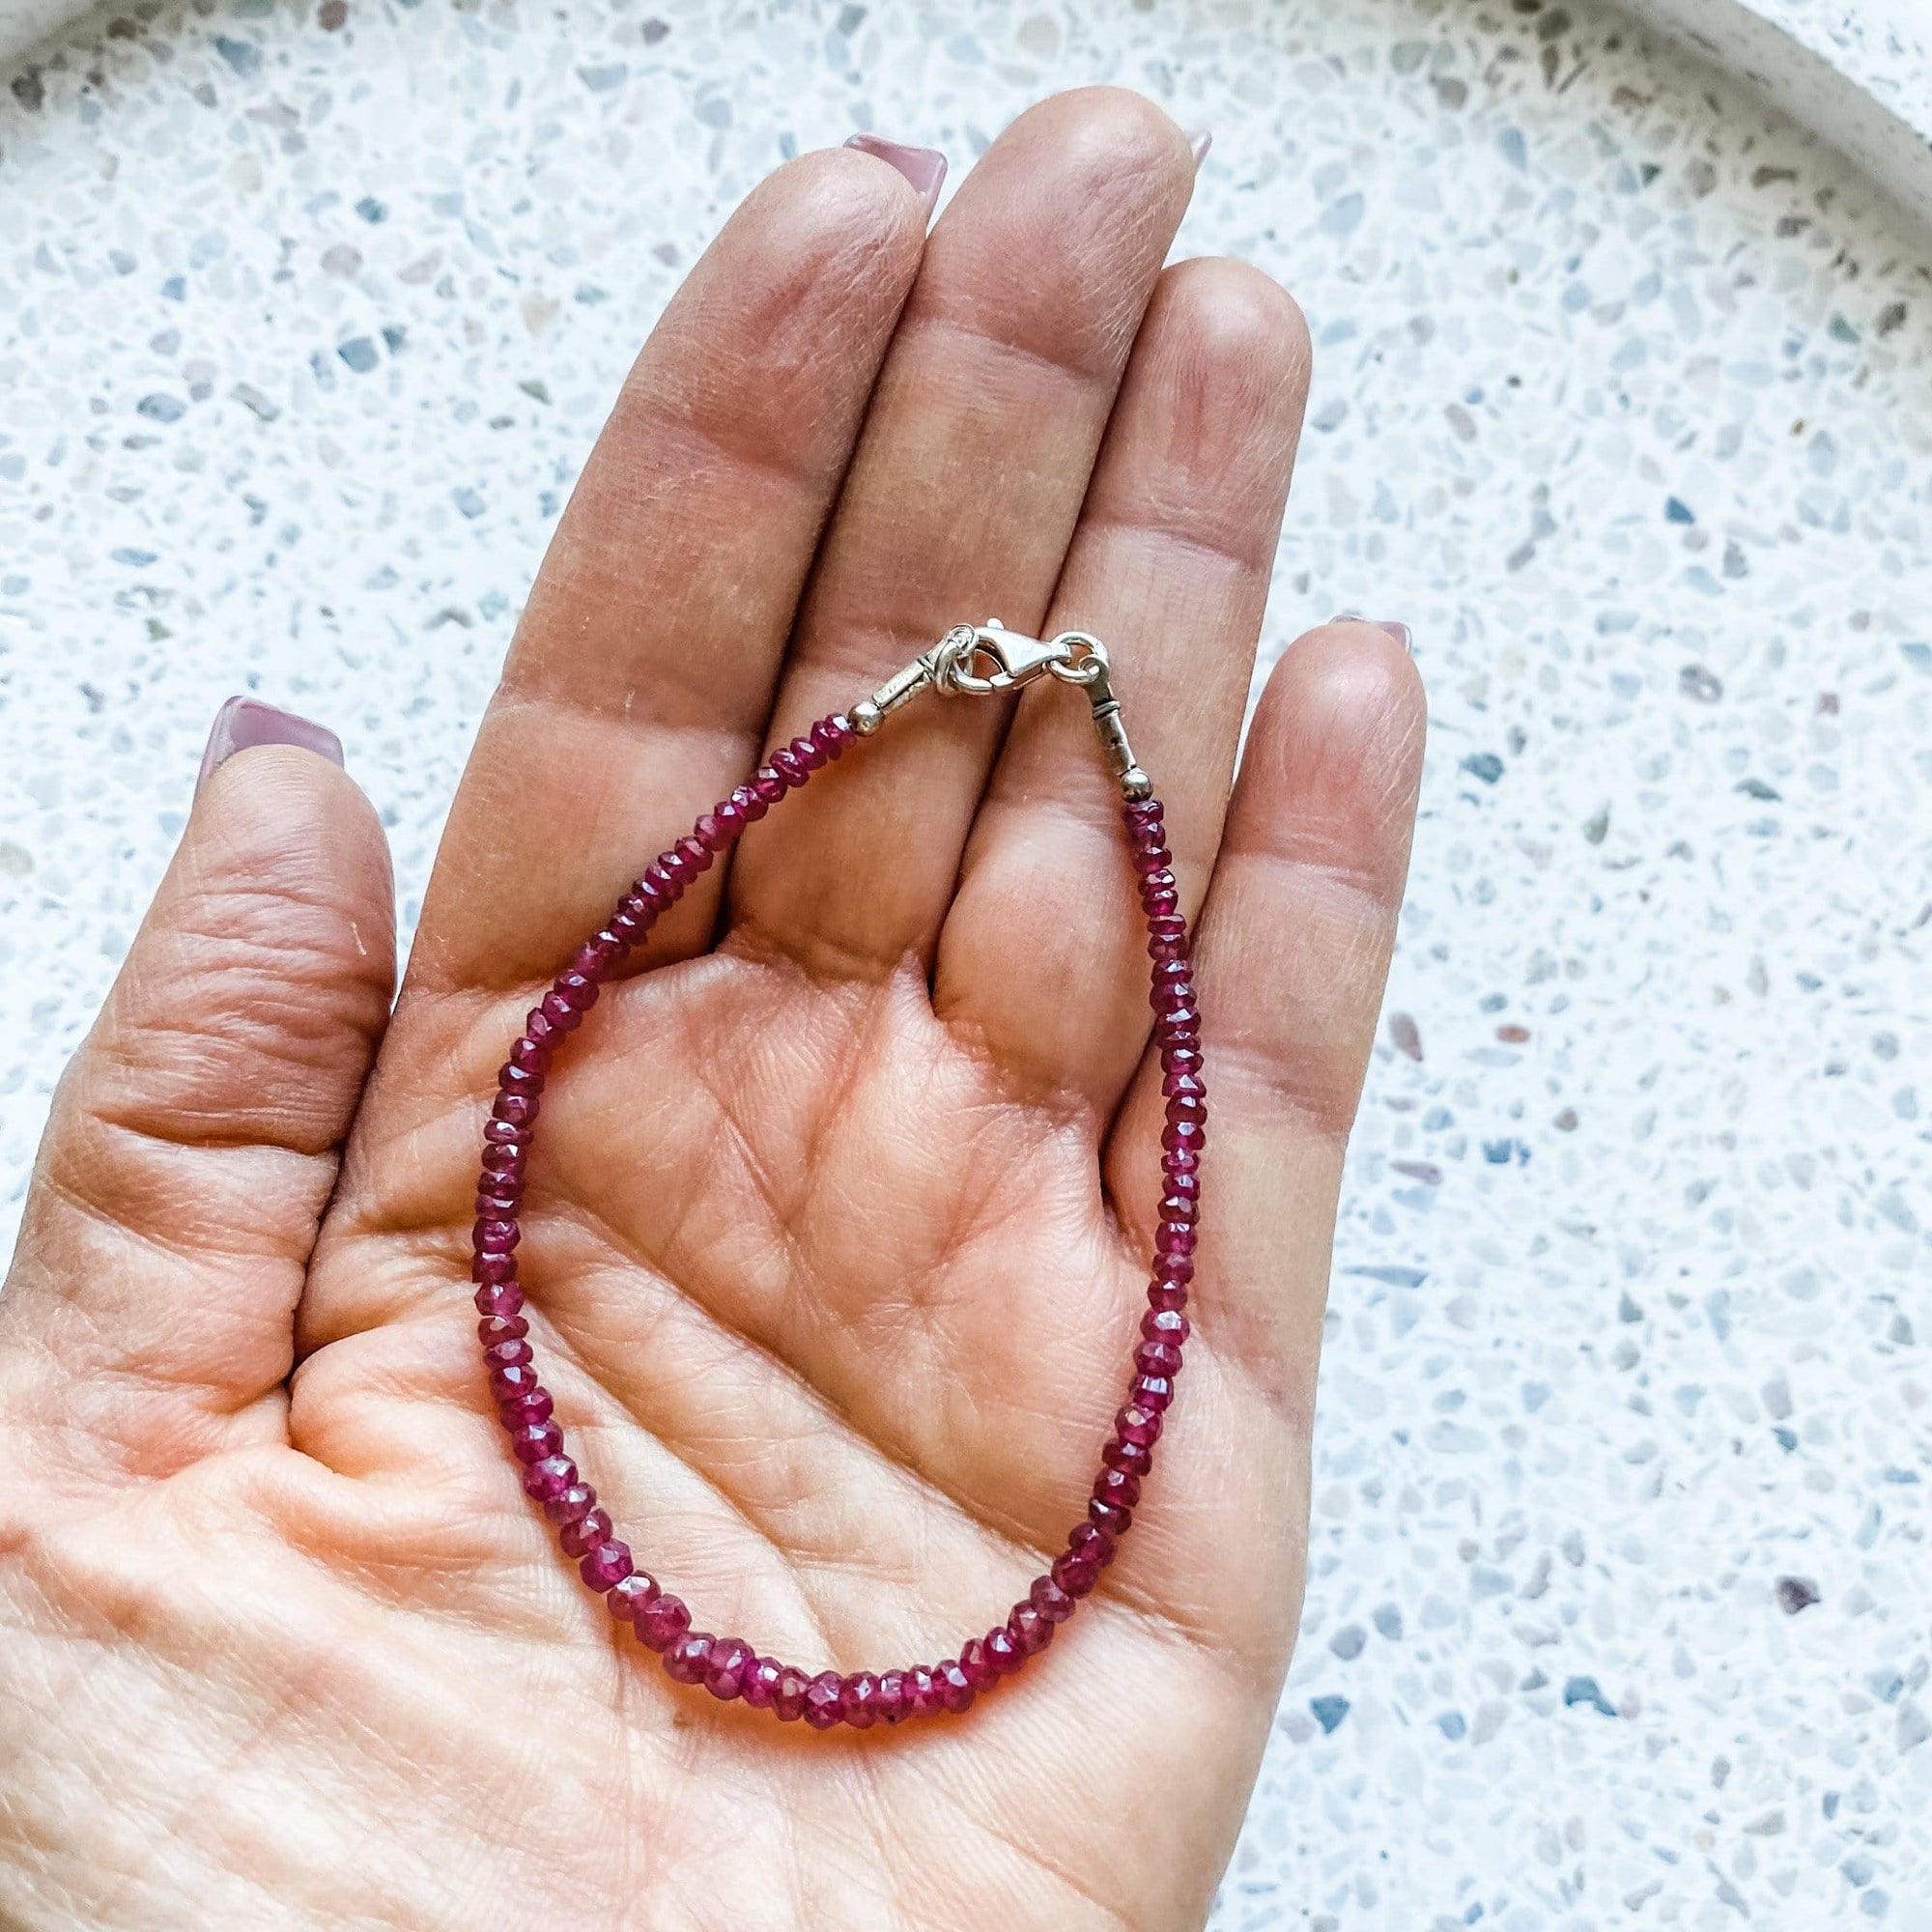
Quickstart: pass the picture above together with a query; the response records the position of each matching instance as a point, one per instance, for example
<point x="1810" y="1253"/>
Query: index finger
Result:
<point x="641" y="680"/>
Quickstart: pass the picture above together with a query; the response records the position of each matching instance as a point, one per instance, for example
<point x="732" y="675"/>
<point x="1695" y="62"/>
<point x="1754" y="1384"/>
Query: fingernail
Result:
<point x="243" y="722"/>
<point x="1399" y="631"/>
<point x="1200" y="143"/>
<point x="923" y="167"/>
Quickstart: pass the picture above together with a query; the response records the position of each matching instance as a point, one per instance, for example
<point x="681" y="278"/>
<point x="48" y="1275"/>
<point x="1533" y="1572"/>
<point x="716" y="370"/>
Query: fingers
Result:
<point x="1291" y="955"/>
<point x="961" y="498"/>
<point x="641" y="677"/>
<point x="194" y="1138"/>
<point x="1170" y="568"/>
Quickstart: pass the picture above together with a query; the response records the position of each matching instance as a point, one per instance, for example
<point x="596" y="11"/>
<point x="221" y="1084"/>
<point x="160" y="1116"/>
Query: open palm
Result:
<point x="836" y="1232"/>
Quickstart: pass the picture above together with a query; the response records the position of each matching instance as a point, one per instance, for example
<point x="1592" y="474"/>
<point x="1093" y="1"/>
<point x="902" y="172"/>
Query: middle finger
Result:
<point x="960" y="505"/>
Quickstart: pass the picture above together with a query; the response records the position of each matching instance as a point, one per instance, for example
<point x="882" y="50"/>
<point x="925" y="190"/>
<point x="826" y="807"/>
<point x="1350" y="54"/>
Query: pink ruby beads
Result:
<point x="969" y="660"/>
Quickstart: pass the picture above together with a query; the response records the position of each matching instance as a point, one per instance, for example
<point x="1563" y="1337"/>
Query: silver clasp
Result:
<point x="981" y="660"/>
<point x="1016" y="660"/>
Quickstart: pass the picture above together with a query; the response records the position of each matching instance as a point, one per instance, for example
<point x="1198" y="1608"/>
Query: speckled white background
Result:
<point x="1620" y="401"/>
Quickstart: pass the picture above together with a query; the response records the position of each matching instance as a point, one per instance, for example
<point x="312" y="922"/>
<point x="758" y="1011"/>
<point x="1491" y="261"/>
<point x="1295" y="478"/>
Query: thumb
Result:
<point x="195" y="1136"/>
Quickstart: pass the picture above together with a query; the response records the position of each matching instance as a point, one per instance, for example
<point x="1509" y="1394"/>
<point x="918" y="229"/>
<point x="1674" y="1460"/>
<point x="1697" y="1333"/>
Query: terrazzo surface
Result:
<point x="1617" y="1605"/>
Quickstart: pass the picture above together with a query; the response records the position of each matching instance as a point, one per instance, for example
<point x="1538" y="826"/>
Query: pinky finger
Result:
<point x="1292" y="955"/>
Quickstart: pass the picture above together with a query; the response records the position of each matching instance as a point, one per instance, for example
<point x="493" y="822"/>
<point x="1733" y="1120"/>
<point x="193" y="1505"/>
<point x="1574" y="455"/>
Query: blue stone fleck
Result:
<point x="1328" y="1712"/>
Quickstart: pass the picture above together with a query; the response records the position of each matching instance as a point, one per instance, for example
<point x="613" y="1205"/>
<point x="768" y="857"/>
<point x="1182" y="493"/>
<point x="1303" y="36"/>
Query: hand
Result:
<point x="840" y="1213"/>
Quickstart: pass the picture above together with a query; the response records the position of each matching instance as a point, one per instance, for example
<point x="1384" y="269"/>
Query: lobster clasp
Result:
<point x="980" y="658"/>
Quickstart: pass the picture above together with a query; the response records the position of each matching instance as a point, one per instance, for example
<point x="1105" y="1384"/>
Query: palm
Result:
<point x="840" y="1209"/>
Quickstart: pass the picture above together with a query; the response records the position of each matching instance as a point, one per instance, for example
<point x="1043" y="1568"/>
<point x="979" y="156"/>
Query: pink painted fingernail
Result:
<point x="923" y="167"/>
<point x="1399" y="631"/>
<point x="1200" y="143"/>
<point x="243" y="722"/>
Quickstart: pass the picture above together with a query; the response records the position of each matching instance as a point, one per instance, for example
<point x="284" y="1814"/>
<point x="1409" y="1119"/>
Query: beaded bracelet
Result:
<point x="971" y="659"/>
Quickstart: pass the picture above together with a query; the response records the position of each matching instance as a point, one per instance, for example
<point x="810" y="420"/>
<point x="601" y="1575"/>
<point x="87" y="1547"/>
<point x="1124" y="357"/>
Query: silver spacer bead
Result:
<point x="1136" y="788"/>
<point x="865" y="718"/>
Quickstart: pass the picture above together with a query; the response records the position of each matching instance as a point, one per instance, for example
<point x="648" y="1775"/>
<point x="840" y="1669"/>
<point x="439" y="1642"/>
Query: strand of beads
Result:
<point x="726" y="1665"/>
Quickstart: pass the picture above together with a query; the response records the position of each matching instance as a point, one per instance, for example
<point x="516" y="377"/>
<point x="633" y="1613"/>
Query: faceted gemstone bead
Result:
<point x="824" y="1700"/>
<point x="505" y="1384"/>
<point x="1091" y="1543"/>
<point x="600" y="953"/>
<point x="1167" y="1294"/>
<point x="559" y="1010"/>
<point x="546" y="1481"/>
<point x="894" y="1705"/>
<point x="631" y="1595"/>
<point x="1114" y="1517"/>
<point x="1160" y="905"/>
<point x="1175" y="1268"/>
<point x="769" y="785"/>
<point x="531" y="1057"/>
<point x="496" y="1238"/>
<point x="508" y="1161"/>
<point x="811" y="756"/>
<point x="1153" y="858"/>
<point x="1157" y="1358"/>
<point x="1165" y="1325"/>
<point x="955" y="1693"/>
<point x="697" y="856"/>
<point x="1184" y="1134"/>
<point x="532" y="1406"/>
<point x="1120" y="1487"/>
<point x="787" y="765"/>
<point x="1075" y="1574"/>
<point x="1185" y="1109"/>
<point x="494" y="1328"/>
<point x="572" y="1505"/>
<point x="711" y="830"/>
<point x="507" y="1355"/>
<point x="675" y="868"/>
<point x="1137" y="1424"/>
<point x="1031" y="1629"/>
<point x="489" y="1269"/>
<point x="666" y="879"/>
<point x="689" y="1658"/>
<point x="832" y="735"/>
<point x="514" y="1079"/>
<point x="789" y="1700"/>
<point x="1053" y="1602"/>
<point x="751" y="802"/>
<point x="977" y="1664"/>
<point x="590" y="1531"/>
<point x="498" y="1206"/>
<point x="1174" y="976"/>
<point x="1182" y="1060"/>
<point x="1180" y="1024"/>
<point x="505" y="1133"/>
<point x="1152" y="1392"/>
<point x="922" y="1693"/>
<point x="759" y="1685"/>
<point x="1175" y="1237"/>
<point x="1166" y="926"/>
<point x="1180" y="1187"/>
<point x="1159" y="881"/>
<point x="732" y="1660"/>
<point x="1134" y="1459"/>
<point x="518" y="1110"/>
<point x="663" y="1621"/>
<point x="606" y="1566"/>
<point x="1001" y="1652"/>
<point x="504" y="1299"/>
<point x="858" y="1693"/>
